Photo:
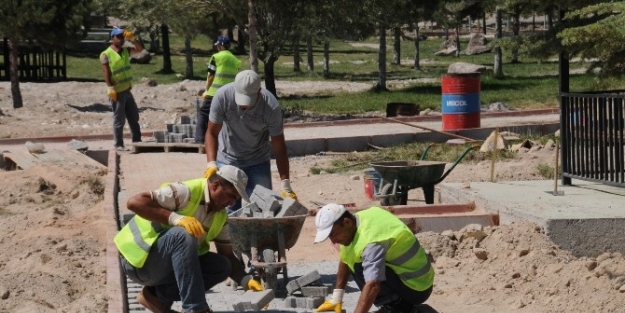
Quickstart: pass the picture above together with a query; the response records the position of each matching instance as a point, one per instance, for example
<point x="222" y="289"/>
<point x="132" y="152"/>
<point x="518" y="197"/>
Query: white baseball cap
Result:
<point x="237" y="177"/>
<point x="325" y="218"/>
<point x="246" y="87"/>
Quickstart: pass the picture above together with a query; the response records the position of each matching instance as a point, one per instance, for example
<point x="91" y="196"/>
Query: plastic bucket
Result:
<point x="372" y="182"/>
<point x="460" y="103"/>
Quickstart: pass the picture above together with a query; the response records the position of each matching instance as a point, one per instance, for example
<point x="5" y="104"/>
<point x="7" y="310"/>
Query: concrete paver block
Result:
<point x="311" y="278"/>
<point x="317" y="291"/>
<point x="267" y="200"/>
<point x="255" y="300"/>
<point x="292" y="207"/>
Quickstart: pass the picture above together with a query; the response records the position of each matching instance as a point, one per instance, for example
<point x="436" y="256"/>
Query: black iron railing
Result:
<point x="592" y="126"/>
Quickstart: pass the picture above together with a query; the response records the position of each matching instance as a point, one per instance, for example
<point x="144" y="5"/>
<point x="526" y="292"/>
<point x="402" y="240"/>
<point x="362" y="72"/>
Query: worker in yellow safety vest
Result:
<point x="383" y="256"/>
<point x="222" y="69"/>
<point x="165" y="246"/>
<point x="115" y="62"/>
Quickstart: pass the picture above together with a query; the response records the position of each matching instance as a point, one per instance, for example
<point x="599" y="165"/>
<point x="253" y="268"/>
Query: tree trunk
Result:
<point x="516" y="30"/>
<point x="498" y="66"/>
<point x="15" y="76"/>
<point x="188" y="52"/>
<point x="457" y="41"/>
<point x="397" y="46"/>
<point x="296" y="56"/>
<point x="240" y="50"/>
<point x="309" y="51"/>
<point x="167" y="68"/>
<point x="253" y="31"/>
<point x="326" y="59"/>
<point x="382" y="59"/>
<point x="270" y="79"/>
<point x="484" y="23"/>
<point x="155" y="44"/>
<point x="417" y="66"/>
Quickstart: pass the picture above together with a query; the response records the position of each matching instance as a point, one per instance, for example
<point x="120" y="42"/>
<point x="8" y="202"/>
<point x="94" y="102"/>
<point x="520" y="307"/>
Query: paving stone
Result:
<point x="292" y="207"/>
<point x="316" y="291"/>
<point x="311" y="278"/>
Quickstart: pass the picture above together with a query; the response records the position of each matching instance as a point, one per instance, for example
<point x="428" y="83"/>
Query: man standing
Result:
<point x="118" y="78"/>
<point x="222" y="68"/>
<point x="165" y="246"/>
<point x="383" y="256"/>
<point x="243" y="118"/>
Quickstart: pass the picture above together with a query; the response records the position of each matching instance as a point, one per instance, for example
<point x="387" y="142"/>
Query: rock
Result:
<point x="142" y="57"/>
<point x="446" y="52"/>
<point x="550" y="145"/>
<point x="4" y="293"/>
<point x="494" y="142"/>
<point x="480" y="253"/>
<point x="355" y="177"/>
<point x="78" y="145"/>
<point x="557" y="133"/>
<point x="498" y="107"/>
<point x="524" y="252"/>
<point x="467" y="68"/>
<point x="35" y="147"/>
<point x="525" y="144"/>
<point x="621" y="290"/>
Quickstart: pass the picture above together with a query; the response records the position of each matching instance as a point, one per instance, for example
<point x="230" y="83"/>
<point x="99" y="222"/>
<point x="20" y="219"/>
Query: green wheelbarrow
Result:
<point x="398" y="177"/>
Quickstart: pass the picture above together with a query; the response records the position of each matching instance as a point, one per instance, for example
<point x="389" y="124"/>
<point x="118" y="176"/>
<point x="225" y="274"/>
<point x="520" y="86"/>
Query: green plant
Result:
<point x="95" y="185"/>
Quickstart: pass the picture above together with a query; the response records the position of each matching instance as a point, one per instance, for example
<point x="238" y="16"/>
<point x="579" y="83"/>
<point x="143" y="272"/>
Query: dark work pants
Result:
<point x="392" y="288"/>
<point x="125" y="108"/>
<point x="202" y="119"/>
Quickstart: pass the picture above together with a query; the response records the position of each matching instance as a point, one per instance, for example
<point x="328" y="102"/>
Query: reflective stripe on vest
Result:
<point x="121" y="75"/>
<point x="405" y="256"/>
<point x="136" y="237"/>
<point x="227" y="67"/>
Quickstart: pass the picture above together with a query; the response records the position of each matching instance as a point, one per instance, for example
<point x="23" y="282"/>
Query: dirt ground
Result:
<point x="52" y="255"/>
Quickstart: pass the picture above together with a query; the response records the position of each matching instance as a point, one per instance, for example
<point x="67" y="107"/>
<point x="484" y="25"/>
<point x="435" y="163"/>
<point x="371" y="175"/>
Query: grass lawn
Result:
<point x="532" y="83"/>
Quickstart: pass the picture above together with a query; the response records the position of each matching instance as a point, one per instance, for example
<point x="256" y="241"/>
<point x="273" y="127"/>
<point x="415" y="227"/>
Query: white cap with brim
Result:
<point x="237" y="177"/>
<point x="325" y="218"/>
<point x="246" y="87"/>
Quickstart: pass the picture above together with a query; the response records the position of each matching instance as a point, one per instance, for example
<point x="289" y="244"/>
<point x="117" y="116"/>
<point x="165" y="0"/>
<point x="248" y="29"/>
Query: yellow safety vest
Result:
<point x="405" y="256"/>
<point x="136" y="237"/>
<point x="120" y="68"/>
<point x="227" y="68"/>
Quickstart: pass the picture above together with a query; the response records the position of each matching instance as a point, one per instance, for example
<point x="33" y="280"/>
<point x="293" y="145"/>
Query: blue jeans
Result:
<point x="125" y="108"/>
<point x="176" y="272"/>
<point x="259" y="174"/>
<point x="392" y="288"/>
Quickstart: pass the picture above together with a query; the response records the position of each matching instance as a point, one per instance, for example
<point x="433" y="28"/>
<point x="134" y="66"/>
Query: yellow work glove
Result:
<point x="128" y="35"/>
<point x="190" y="223"/>
<point x="333" y="304"/>
<point x="249" y="283"/>
<point x="211" y="168"/>
<point x="204" y="95"/>
<point x="111" y="93"/>
<point x="285" y="189"/>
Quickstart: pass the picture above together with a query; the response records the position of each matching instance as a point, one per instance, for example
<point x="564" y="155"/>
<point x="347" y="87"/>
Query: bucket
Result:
<point x="372" y="182"/>
<point x="460" y="103"/>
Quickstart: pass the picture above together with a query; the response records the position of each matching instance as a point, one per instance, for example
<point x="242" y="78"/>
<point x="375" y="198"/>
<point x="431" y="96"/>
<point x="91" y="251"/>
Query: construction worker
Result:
<point x="165" y="246"/>
<point x="118" y="78"/>
<point x="222" y="68"/>
<point x="383" y="256"/>
<point x="243" y="119"/>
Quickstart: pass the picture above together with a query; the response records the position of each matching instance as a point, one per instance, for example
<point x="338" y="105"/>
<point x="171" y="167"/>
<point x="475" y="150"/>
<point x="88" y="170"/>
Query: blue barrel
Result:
<point x="460" y="103"/>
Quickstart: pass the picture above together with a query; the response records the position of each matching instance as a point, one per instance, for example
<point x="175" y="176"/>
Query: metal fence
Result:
<point x="592" y="126"/>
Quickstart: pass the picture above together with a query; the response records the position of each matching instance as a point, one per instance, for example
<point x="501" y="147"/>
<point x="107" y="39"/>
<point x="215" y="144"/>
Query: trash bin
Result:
<point x="460" y="104"/>
<point x="372" y="182"/>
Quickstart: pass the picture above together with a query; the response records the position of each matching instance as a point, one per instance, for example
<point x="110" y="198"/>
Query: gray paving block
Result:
<point x="309" y="303"/>
<point x="317" y="291"/>
<point x="311" y="278"/>
<point x="160" y="135"/>
<point x="266" y="199"/>
<point x="292" y="207"/>
<point x="290" y="302"/>
<point x="255" y="301"/>
<point x="185" y="119"/>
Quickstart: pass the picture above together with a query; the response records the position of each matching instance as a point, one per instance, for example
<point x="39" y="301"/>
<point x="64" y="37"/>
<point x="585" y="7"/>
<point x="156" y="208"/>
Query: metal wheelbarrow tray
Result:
<point x="267" y="235"/>
<point x="398" y="177"/>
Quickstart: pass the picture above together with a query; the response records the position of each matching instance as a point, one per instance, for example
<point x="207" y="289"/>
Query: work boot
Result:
<point x="152" y="302"/>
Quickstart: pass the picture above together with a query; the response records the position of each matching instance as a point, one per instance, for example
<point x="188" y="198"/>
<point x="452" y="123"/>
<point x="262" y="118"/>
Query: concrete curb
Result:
<point x="114" y="280"/>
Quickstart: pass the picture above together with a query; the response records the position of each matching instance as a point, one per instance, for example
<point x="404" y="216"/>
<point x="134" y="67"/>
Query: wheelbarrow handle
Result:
<point x="464" y="153"/>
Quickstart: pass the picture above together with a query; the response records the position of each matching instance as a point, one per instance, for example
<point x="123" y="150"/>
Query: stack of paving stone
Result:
<point x="183" y="132"/>
<point x="306" y="292"/>
<point x="268" y="203"/>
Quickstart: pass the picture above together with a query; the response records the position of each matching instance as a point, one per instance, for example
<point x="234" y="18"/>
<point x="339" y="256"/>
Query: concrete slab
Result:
<point x="587" y="220"/>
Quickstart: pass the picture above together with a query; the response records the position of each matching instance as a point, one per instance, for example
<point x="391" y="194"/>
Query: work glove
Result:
<point x="190" y="224"/>
<point x="285" y="189"/>
<point x="211" y="168"/>
<point x="204" y="95"/>
<point x="111" y="93"/>
<point x="128" y="35"/>
<point x="333" y="304"/>
<point x="249" y="283"/>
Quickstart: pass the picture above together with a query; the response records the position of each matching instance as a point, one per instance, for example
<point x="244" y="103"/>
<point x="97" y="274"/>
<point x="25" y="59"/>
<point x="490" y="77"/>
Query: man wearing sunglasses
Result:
<point x="115" y="62"/>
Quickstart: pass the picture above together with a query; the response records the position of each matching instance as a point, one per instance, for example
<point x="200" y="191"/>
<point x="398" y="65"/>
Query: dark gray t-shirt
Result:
<point x="244" y="137"/>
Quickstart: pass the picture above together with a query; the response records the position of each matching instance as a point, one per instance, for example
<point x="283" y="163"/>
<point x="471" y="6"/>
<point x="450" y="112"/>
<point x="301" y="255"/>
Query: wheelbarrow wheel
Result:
<point x="387" y="197"/>
<point x="271" y="272"/>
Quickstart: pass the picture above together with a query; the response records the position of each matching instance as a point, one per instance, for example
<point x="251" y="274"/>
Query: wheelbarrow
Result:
<point x="267" y="240"/>
<point x="398" y="177"/>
